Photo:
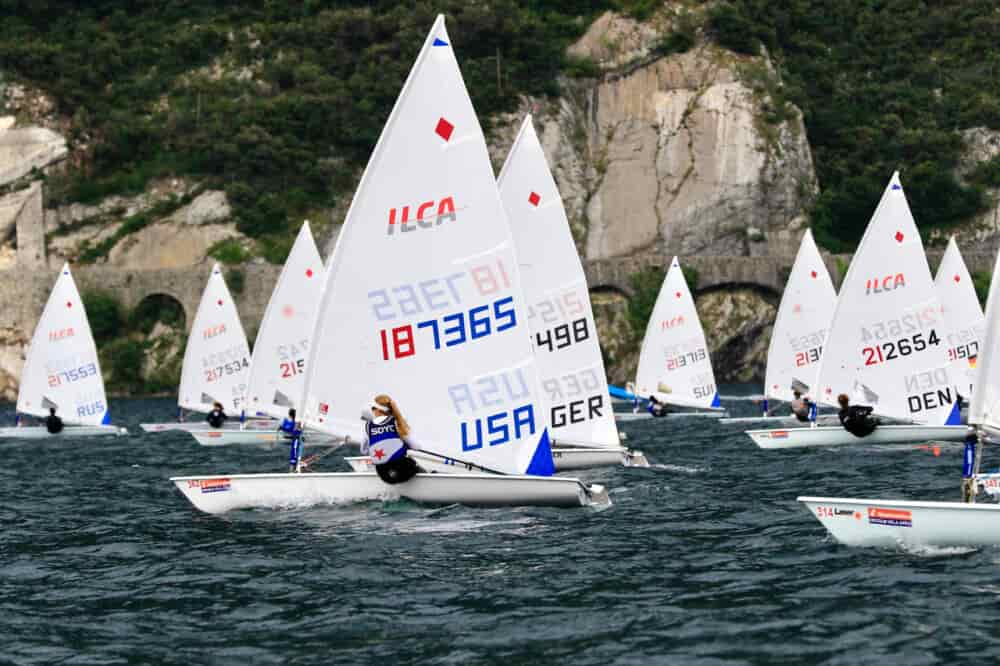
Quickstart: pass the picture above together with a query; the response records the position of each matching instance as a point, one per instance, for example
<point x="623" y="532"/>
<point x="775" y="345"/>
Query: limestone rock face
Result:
<point x="737" y="325"/>
<point x="12" y="348"/>
<point x="22" y="150"/>
<point x="672" y="155"/>
<point x="169" y="244"/>
<point x="208" y="207"/>
<point x="982" y="144"/>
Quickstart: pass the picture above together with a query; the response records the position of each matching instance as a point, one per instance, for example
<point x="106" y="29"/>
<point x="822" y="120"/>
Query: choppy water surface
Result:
<point x="705" y="558"/>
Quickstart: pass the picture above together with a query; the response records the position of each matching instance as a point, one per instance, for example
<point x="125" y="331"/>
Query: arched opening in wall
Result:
<point x="156" y="309"/>
<point x="737" y="319"/>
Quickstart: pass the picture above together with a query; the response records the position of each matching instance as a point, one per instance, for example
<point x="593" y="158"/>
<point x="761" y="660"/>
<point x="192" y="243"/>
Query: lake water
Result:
<point x="705" y="558"/>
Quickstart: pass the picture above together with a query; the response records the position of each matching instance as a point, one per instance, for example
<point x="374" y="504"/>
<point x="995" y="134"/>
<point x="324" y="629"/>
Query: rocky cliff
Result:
<point x="679" y="154"/>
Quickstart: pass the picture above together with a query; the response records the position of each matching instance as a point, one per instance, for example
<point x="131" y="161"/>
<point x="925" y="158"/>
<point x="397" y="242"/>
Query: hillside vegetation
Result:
<point x="280" y="103"/>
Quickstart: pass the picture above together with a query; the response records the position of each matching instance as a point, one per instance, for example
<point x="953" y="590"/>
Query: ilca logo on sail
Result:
<point x="429" y="214"/>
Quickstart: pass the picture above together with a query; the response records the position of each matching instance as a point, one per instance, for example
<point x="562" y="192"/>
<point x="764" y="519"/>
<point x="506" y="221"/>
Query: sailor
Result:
<point x="53" y="423"/>
<point x="801" y="406"/>
<point x="856" y="419"/>
<point x="292" y="430"/>
<point x="385" y="441"/>
<point x="657" y="408"/>
<point x="217" y="417"/>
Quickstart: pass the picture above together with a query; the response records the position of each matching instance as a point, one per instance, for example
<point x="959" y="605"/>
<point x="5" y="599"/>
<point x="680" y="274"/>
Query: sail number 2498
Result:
<point x="892" y="349"/>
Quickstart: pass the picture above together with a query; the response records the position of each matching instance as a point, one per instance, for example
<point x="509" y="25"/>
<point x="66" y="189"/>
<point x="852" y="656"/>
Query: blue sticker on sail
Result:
<point x="715" y="401"/>
<point x="541" y="462"/>
<point x="107" y="418"/>
<point x="897" y="186"/>
<point x="439" y="42"/>
<point x="955" y="418"/>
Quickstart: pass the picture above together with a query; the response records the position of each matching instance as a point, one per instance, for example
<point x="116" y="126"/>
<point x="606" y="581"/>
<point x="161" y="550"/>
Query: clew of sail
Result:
<point x="217" y="358"/>
<point x="278" y="366"/>
<point x="963" y="311"/>
<point x="674" y="363"/>
<point x="62" y="369"/>
<point x="422" y="298"/>
<point x="887" y="344"/>
<point x="574" y="384"/>
<point x="800" y="328"/>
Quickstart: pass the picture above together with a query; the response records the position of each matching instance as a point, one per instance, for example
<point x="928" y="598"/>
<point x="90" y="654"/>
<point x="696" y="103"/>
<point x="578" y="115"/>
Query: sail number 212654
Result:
<point x="893" y="349"/>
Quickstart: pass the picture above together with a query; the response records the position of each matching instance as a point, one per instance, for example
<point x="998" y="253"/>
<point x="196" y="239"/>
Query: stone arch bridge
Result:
<point x="25" y="290"/>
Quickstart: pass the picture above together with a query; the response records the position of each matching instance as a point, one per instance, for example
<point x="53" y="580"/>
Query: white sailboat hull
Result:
<point x="776" y="420"/>
<point x="69" y="432"/>
<point x="876" y="522"/>
<point x="196" y="426"/>
<point x="642" y="416"/>
<point x="229" y="437"/>
<point x="792" y="438"/>
<point x="219" y="494"/>
<point x="566" y="460"/>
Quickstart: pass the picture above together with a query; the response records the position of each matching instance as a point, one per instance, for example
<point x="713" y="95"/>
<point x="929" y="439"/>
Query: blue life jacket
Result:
<point x="288" y="427"/>
<point x="384" y="442"/>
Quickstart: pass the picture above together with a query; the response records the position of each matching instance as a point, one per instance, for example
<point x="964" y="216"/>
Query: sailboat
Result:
<point x="62" y="371"/>
<point x="563" y="332"/>
<point x="799" y="332"/>
<point x="278" y="364"/>
<point x="560" y="315"/>
<point x="961" y="308"/>
<point x="422" y="300"/>
<point x="216" y="360"/>
<point x="882" y="522"/>
<point x="887" y="345"/>
<point x="674" y="364"/>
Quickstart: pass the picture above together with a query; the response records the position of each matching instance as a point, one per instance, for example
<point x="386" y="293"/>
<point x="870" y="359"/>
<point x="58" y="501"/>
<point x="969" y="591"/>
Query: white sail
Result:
<point x="422" y="297"/>
<point x="984" y="407"/>
<point x="674" y="364"/>
<point x="963" y="311"/>
<point x="887" y="345"/>
<point x="217" y="358"/>
<point x="574" y="383"/>
<point x="800" y="328"/>
<point x="62" y="369"/>
<point x="278" y="365"/>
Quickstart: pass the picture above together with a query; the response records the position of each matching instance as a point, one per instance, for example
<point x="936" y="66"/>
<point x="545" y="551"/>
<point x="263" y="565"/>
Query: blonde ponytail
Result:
<point x="402" y="427"/>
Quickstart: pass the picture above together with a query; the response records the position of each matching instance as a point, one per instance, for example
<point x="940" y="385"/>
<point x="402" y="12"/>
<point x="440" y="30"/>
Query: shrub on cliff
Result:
<point x="104" y="313"/>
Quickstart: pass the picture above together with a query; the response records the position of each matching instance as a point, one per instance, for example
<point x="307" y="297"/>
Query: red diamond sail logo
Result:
<point x="69" y="304"/>
<point x="814" y="274"/>
<point x="533" y="198"/>
<point x="797" y="309"/>
<point x="444" y="129"/>
<point x="678" y="294"/>
<point x="219" y="301"/>
<point x="309" y="272"/>
<point x="899" y="236"/>
<point x="958" y="279"/>
<point x="379" y="454"/>
<point x="288" y="311"/>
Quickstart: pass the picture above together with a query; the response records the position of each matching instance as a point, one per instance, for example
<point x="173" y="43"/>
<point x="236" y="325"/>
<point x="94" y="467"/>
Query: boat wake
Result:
<point x="684" y="469"/>
<point x="937" y="551"/>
